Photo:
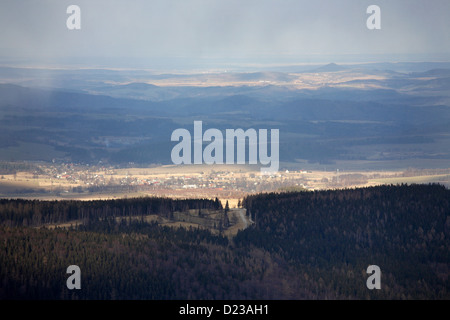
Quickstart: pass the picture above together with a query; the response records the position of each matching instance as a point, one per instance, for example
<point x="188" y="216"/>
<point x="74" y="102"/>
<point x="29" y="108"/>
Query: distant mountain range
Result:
<point x="330" y="113"/>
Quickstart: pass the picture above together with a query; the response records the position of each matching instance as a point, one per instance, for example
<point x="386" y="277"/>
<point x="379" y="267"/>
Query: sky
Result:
<point x="282" y="31"/>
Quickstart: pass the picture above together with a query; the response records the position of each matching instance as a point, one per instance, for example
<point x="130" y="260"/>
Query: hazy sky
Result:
<point x="136" y="30"/>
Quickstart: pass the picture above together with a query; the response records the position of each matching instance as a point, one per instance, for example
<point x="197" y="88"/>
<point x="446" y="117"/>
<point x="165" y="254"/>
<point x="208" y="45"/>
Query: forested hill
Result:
<point x="303" y="245"/>
<point x="403" y="229"/>
<point x="36" y="213"/>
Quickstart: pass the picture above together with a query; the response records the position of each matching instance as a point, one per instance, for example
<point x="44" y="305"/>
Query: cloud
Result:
<point x="195" y="29"/>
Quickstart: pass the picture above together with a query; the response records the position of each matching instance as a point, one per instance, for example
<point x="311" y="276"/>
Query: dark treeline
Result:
<point x="403" y="229"/>
<point x="156" y="263"/>
<point x="303" y="245"/>
<point x="19" y="212"/>
<point x="14" y="167"/>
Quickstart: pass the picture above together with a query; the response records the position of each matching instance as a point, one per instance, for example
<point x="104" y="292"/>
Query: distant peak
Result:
<point x="331" y="67"/>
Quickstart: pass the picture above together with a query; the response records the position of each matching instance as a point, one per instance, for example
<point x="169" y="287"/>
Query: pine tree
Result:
<point x="217" y="203"/>
<point x="226" y="221"/>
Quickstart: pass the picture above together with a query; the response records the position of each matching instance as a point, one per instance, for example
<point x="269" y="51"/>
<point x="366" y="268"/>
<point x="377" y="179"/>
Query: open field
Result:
<point x="304" y="80"/>
<point x="237" y="218"/>
<point x="440" y="178"/>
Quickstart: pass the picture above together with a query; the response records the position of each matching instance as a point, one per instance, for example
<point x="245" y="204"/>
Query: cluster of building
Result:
<point x="85" y="176"/>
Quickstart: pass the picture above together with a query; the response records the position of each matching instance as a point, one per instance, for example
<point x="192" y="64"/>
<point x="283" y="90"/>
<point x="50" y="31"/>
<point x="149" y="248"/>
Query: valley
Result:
<point x="226" y="182"/>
